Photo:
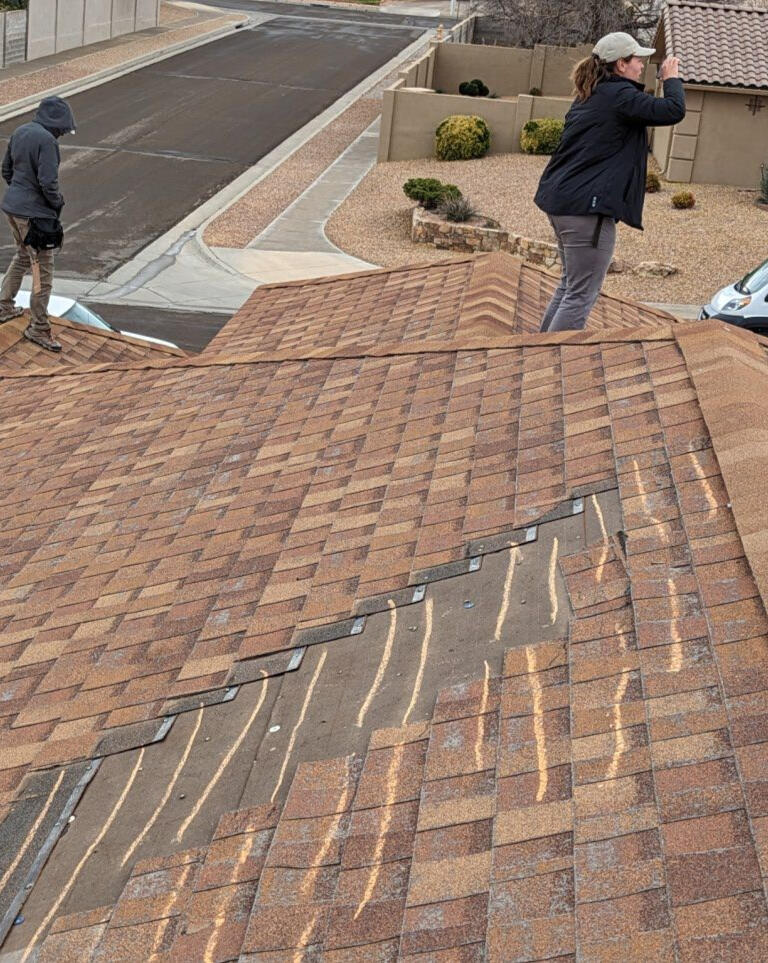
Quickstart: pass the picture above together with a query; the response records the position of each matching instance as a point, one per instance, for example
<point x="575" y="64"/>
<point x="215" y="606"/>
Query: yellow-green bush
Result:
<point x="462" y="137"/>
<point x="541" y="136"/>
<point x="683" y="200"/>
<point x="652" y="183"/>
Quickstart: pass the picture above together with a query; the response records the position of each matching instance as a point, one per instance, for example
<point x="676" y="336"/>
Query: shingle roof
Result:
<point x="80" y="345"/>
<point x="717" y="43"/>
<point x="602" y="796"/>
<point x="493" y="293"/>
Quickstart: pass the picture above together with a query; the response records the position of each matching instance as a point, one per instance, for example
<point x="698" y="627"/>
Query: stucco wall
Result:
<point x="56" y="25"/>
<point x="732" y="142"/>
<point x="415" y="116"/>
<point x="507" y="70"/>
<point x="558" y="64"/>
<point x="98" y="21"/>
<point x="504" y="69"/>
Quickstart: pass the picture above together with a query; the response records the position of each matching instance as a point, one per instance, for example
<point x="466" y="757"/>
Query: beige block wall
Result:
<point x="506" y="70"/>
<point x="732" y="143"/>
<point x="58" y="25"/>
<point x="557" y="67"/>
<point x="414" y="116"/>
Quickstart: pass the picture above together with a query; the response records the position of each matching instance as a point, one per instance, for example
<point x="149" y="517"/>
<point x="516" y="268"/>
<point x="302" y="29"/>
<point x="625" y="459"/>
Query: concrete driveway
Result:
<point x="154" y="144"/>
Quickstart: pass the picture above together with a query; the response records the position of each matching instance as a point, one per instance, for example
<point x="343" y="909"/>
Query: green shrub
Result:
<point x="456" y="209"/>
<point x="541" y="136"/>
<point x="763" y="196"/>
<point x="473" y="88"/>
<point x="683" y="200"/>
<point x="535" y="91"/>
<point x="461" y="137"/>
<point x="652" y="183"/>
<point x="429" y="191"/>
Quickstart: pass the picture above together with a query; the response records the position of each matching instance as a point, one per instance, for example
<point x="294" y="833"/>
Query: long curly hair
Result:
<point x="588" y="73"/>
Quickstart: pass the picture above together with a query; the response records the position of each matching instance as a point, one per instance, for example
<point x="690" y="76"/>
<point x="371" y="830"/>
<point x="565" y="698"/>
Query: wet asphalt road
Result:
<point x="153" y="145"/>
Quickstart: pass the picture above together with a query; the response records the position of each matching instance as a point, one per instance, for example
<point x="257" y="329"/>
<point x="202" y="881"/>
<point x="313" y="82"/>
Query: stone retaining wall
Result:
<point x="483" y="234"/>
<point x="476" y="235"/>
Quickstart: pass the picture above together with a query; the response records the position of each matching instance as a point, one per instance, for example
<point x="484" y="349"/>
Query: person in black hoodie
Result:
<point x="31" y="169"/>
<point x="596" y="176"/>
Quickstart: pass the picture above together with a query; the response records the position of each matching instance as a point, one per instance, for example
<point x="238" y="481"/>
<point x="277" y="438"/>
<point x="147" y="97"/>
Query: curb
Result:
<point x="9" y="111"/>
<point x="302" y="136"/>
<point x="196" y="221"/>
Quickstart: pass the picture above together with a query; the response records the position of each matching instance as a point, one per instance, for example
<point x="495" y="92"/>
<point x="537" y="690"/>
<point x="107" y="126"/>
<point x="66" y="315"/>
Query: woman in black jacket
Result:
<point x="596" y="176"/>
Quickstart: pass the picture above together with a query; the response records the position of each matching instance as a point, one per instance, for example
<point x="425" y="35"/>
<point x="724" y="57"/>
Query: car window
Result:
<point x="755" y="280"/>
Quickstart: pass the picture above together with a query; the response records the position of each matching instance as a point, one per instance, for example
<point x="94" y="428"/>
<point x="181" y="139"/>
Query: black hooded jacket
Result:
<point x="31" y="162"/>
<point x="600" y="165"/>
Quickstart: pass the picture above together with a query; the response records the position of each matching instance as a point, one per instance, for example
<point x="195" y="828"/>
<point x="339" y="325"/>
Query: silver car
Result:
<point x="744" y="303"/>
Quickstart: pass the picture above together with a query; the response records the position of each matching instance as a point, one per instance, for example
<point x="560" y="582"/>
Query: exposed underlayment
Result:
<point x="239" y="747"/>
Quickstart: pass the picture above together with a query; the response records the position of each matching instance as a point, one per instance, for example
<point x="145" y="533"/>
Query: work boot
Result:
<point x="46" y="341"/>
<point x="10" y="315"/>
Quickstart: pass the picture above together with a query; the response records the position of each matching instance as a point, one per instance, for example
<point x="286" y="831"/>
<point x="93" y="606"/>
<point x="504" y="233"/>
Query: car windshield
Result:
<point x="78" y="312"/>
<point x="755" y="280"/>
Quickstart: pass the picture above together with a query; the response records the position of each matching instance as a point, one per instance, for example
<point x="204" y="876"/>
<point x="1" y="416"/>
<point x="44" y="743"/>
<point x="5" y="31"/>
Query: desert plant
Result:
<point x="541" y="136"/>
<point x="456" y="209"/>
<point x="763" y="195"/>
<point x="429" y="191"/>
<point x="652" y="183"/>
<point x="535" y="91"/>
<point x="682" y="200"/>
<point x="473" y="88"/>
<point x="461" y="137"/>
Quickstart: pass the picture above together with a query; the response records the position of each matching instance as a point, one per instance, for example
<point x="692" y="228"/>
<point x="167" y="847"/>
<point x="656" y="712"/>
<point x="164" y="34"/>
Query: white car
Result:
<point x="71" y="310"/>
<point x="744" y="303"/>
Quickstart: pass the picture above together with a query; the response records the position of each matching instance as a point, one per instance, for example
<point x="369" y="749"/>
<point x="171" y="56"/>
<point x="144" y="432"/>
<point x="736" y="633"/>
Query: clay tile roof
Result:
<point x="718" y="43"/>
<point x="504" y="593"/>
<point x="80" y="345"/>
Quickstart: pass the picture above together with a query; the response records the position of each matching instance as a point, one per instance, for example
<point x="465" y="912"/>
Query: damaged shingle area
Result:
<point x="598" y="797"/>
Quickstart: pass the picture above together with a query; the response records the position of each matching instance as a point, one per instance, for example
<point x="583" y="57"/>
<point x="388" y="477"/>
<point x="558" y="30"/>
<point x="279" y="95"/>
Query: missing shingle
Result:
<point x="38" y="818"/>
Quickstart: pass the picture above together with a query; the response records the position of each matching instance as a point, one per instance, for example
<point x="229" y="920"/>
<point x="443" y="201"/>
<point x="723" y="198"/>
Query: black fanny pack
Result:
<point x="44" y="234"/>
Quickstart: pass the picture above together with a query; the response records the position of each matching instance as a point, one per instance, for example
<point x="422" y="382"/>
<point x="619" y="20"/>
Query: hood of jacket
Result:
<point x="56" y="116"/>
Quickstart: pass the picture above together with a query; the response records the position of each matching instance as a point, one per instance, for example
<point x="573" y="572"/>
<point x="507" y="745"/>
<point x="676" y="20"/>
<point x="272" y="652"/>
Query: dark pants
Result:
<point x="584" y="268"/>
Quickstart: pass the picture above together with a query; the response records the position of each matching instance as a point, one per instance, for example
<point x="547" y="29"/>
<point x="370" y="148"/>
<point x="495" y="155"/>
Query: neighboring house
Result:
<point x="723" y="51"/>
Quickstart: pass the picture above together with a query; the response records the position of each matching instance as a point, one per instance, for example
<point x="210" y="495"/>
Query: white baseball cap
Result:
<point x="619" y="46"/>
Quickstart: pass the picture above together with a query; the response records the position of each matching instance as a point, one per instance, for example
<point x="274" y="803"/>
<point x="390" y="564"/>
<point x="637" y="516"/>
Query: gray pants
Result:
<point x="584" y="269"/>
<point x="40" y="263"/>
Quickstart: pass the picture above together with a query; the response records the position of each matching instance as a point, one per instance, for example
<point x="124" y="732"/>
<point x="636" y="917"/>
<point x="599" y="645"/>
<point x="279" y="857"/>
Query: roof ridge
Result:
<point x="370" y="272"/>
<point x="393" y="350"/>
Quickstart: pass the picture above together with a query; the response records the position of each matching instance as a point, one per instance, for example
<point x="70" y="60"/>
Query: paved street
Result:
<point x="154" y="144"/>
<point x="190" y="330"/>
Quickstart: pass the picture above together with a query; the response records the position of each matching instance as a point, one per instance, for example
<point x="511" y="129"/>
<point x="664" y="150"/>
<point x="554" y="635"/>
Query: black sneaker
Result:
<point x="10" y="315"/>
<point x="46" y="341"/>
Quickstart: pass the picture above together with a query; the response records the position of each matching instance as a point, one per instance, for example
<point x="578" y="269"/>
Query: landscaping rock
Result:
<point x="654" y="269"/>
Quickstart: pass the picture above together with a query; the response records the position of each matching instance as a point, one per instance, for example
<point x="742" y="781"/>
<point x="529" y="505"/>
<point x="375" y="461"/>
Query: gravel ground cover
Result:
<point x="711" y="245"/>
<point x="239" y="224"/>
<point x="248" y="216"/>
<point x="180" y="24"/>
